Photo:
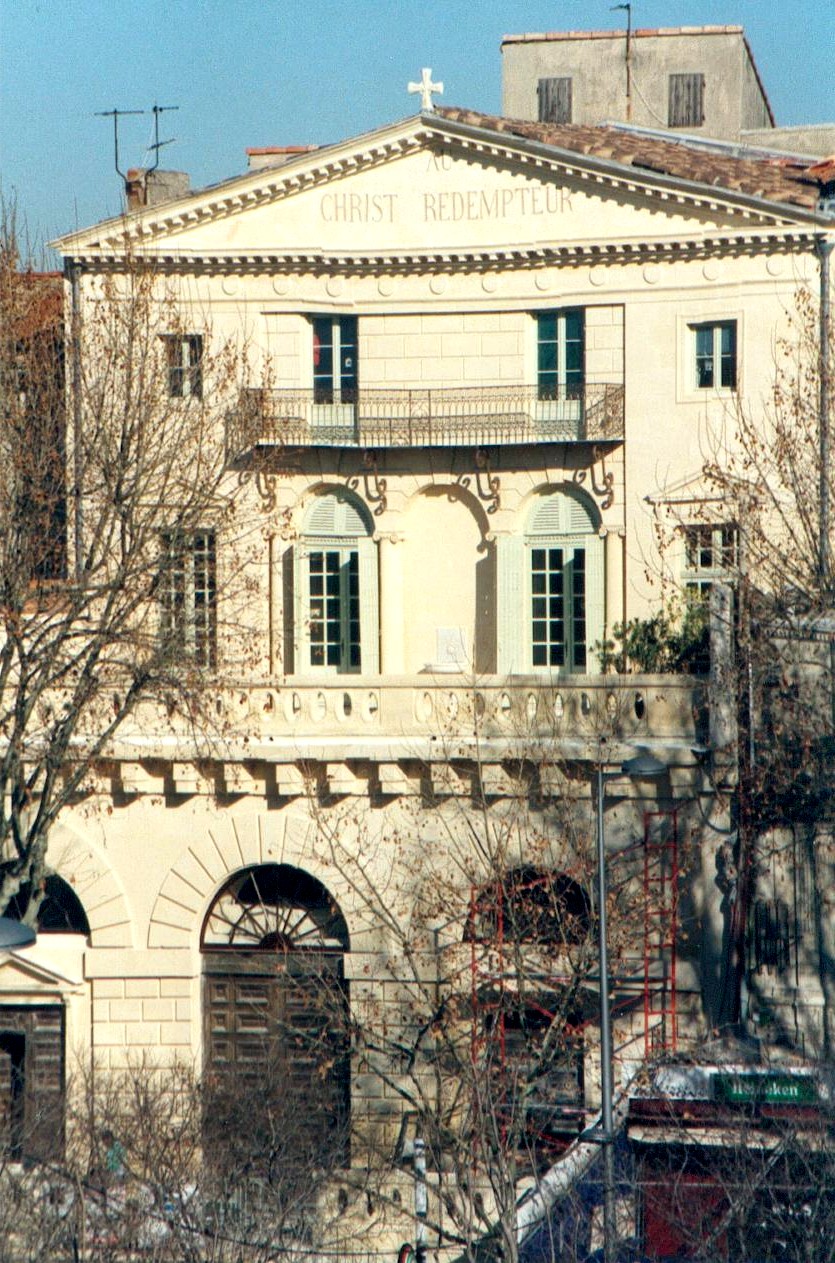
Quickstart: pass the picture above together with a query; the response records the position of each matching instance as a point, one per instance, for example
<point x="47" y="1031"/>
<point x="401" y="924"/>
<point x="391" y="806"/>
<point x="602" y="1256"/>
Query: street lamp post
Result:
<point x="643" y="766"/>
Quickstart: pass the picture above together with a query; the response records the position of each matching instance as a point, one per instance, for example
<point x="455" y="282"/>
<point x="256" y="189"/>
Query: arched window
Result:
<point x="526" y="905"/>
<point x="60" y="911"/>
<point x="275" y="1023"/>
<point x="565" y="575"/>
<point x="336" y="606"/>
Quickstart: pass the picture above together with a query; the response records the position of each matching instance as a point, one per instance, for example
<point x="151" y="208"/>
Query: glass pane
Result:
<point x="704" y="356"/>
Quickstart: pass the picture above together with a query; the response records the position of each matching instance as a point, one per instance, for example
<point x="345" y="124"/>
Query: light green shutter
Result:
<point x="595" y="598"/>
<point x="512" y="648"/>
<point x="369" y="608"/>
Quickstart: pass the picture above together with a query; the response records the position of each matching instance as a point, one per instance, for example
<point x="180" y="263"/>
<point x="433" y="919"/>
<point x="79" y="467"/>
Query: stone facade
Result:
<point x="467" y="354"/>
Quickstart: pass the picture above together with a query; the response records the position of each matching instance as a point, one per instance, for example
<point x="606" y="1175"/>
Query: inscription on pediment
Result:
<point x="444" y="206"/>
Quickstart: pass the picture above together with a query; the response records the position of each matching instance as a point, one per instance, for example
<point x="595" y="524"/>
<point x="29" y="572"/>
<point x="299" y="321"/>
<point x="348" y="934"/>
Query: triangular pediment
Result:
<point x="422" y="189"/>
<point x="23" y="974"/>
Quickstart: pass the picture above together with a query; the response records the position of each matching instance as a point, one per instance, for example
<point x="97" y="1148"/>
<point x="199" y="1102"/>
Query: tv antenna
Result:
<point x="116" y="114"/>
<point x="156" y="110"/>
<point x="628" y="10"/>
<point x="157" y="144"/>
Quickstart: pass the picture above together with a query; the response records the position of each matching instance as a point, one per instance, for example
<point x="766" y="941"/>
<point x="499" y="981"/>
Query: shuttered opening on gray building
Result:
<point x="686" y="100"/>
<point x="554" y="100"/>
<point x="32" y="1082"/>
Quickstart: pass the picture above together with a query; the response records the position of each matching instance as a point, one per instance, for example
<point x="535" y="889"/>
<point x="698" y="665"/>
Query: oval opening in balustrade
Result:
<point x="318" y="706"/>
<point x="585" y="704"/>
<point x="372" y="705"/>
<point x="531" y="706"/>
<point x="347" y="704"/>
<point x="559" y="706"/>
<point x="611" y="705"/>
<point x="640" y="705"/>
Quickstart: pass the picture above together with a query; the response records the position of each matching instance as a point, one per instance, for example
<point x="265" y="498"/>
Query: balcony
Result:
<point x="474" y="416"/>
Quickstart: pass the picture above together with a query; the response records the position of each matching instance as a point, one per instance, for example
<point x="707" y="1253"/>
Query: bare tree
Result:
<point x="112" y="501"/>
<point x="477" y="1039"/>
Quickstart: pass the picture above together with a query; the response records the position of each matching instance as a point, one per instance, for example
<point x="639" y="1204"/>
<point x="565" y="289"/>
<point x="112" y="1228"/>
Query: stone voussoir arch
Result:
<point x="81" y="863"/>
<point x="227" y="846"/>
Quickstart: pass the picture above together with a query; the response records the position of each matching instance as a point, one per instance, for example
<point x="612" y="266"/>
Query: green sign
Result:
<point x="769" y="1089"/>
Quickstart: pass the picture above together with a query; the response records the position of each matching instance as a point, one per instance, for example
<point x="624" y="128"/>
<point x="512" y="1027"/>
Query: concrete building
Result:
<point x="697" y="80"/>
<point x="480" y="355"/>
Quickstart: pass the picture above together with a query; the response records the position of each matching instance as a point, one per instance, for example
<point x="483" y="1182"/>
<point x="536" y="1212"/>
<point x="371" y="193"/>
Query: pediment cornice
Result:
<point x="415" y="262"/>
<point x="149" y="229"/>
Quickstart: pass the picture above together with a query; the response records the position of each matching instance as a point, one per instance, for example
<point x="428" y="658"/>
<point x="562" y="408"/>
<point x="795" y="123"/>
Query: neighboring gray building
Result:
<point x="699" y="79"/>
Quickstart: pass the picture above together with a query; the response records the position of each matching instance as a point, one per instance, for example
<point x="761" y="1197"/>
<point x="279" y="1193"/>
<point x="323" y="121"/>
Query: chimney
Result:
<point x="275" y="155"/>
<point x="149" y="188"/>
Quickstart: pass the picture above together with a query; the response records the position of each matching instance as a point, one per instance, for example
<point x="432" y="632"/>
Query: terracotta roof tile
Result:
<point x="781" y="180"/>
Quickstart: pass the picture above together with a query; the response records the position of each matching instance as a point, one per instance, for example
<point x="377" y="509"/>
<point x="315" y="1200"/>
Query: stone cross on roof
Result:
<point x="426" y="87"/>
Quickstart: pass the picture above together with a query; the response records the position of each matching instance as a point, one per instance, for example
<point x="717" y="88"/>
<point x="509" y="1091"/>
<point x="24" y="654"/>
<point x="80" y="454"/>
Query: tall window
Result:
<point x="335" y="359"/>
<point x="686" y="102"/>
<point x="554" y="100"/>
<point x="184" y="353"/>
<point x="711" y="552"/>
<point x="715" y="354"/>
<point x="334" y="604"/>
<point x="336" y="588"/>
<point x="275" y="1006"/>
<point x="188" y="596"/>
<point x="560" y="353"/>
<point x="565" y="569"/>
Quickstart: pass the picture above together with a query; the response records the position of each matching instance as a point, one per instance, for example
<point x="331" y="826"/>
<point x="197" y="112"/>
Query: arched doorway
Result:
<point x="32" y="1040"/>
<point x="276" y="1042"/>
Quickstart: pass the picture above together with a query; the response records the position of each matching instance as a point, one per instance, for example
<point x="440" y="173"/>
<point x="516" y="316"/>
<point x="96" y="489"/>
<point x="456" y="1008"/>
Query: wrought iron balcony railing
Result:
<point x="444" y="417"/>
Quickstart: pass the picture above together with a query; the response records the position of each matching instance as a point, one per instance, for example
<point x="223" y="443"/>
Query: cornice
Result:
<point x="485" y="259"/>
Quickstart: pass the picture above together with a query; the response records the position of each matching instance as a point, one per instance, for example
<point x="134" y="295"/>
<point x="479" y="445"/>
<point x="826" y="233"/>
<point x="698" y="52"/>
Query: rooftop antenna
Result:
<point x="628" y="8"/>
<point x="116" y="114"/>
<point x="156" y="110"/>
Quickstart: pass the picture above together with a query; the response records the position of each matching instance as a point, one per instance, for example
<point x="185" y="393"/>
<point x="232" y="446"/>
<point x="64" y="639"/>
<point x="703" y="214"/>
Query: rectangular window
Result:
<point x="554" y="100"/>
<point x="710" y="553"/>
<point x="560" y="353"/>
<point x="558" y="607"/>
<point x="334" y="608"/>
<point x="188" y="597"/>
<point x="686" y="100"/>
<point x="335" y="359"/>
<point x="185" y="365"/>
<point x="715" y="355"/>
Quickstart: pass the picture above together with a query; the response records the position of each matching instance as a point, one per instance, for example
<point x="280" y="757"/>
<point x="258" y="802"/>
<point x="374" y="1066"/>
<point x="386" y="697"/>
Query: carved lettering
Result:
<point x="358" y="208"/>
<point x="447" y="206"/>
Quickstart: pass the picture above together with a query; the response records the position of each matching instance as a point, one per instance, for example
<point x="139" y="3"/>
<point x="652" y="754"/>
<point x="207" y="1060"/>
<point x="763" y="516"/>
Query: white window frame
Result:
<point x="688" y="389"/>
<point x="184" y="365"/>
<point x="569" y="545"/>
<point x="720" y="538"/>
<point x="337" y="531"/>
<point x="181" y="614"/>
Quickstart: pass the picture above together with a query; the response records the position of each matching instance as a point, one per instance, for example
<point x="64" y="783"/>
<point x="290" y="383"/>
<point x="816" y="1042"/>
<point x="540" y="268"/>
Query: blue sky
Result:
<point x="260" y="72"/>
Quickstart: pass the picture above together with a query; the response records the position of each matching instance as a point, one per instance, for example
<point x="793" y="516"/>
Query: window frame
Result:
<point x="339" y="382"/>
<point x="564" y="381"/>
<point x="722" y="540"/>
<point x="711" y="335"/>
<point x="688" y="389"/>
<point x="184" y="364"/>
<point x="348" y="646"/>
<point x="570" y="643"/>
<point x="183" y="629"/>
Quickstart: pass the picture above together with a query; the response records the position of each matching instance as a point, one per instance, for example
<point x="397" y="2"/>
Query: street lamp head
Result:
<point x="643" y="766"/>
<point x="14" y="935"/>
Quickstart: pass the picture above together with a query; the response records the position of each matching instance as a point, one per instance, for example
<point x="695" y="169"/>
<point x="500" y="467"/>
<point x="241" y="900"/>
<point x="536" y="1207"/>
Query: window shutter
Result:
<point x="554" y="100"/>
<point x="289" y="656"/>
<point x="595" y="598"/>
<point x="369" y="608"/>
<point x="686" y="100"/>
<point x="511" y="614"/>
<point x="301" y="610"/>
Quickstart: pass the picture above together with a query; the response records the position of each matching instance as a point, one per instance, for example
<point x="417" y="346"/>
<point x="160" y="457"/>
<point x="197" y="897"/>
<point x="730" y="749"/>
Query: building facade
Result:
<point x="483" y="362"/>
